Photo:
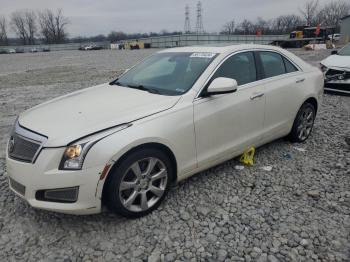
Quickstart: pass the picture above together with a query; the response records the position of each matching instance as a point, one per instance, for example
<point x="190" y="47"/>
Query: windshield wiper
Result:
<point x="115" y="82"/>
<point x="142" y="87"/>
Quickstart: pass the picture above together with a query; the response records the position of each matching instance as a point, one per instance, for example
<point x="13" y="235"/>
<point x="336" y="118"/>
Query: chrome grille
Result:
<point x="25" y="145"/>
<point x="23" y="149"/>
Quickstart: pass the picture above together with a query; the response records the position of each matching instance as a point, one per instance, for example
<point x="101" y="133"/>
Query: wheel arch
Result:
<point x="313" y="101"/>
<point x="150" y="145"/>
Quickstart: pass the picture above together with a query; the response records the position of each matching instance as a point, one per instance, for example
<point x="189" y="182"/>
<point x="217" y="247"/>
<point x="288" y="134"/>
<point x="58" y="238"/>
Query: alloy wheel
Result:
<point x="305" y="124"/>
<point x="143" y="184"/>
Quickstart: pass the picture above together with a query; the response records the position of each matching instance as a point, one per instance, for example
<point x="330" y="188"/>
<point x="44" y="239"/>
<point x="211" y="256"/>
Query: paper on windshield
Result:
<point x="203" y="55"/>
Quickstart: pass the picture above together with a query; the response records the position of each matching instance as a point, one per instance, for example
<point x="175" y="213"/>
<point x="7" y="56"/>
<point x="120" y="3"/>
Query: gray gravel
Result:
<point x="299" y="211"/>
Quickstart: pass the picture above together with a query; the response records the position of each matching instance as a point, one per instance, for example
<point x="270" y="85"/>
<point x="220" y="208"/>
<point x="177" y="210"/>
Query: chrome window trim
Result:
<point x="244" y="51"/>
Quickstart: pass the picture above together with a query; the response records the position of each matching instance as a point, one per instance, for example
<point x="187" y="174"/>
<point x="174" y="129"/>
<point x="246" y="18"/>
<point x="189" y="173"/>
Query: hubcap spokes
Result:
<point x="143" y="184"/>
<point x="305" y="124"/>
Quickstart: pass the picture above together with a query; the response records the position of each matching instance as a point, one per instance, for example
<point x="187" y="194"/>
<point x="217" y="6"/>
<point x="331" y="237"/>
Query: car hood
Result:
<point x="337" y="61"/>
<point x="90" y="110"/>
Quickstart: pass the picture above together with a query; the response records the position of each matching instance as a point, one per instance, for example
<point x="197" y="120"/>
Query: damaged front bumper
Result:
<point x="337" y="80"/>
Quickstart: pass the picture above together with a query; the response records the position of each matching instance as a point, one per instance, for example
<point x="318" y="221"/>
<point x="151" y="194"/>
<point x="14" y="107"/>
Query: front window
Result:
<point x="345" y="50"/>
<point x="240" y="67"/>
<point x="167" y="73"/>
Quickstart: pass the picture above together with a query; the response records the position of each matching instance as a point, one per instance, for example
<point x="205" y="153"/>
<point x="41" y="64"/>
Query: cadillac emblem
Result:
<point x="11" y="144"/>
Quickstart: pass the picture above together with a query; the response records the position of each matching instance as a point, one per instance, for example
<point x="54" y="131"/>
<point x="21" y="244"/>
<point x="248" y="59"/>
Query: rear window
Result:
<point x="290" y="68"/>
<point x="272" y="63"/>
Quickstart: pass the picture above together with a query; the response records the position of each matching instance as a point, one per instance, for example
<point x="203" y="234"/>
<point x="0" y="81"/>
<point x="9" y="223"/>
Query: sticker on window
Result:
<point x="203" y="55"/>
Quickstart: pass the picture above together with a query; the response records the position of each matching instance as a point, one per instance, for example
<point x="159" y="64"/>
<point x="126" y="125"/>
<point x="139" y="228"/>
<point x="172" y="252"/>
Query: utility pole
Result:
<point x="199" y="25"/>
<point x="187" y="28"/>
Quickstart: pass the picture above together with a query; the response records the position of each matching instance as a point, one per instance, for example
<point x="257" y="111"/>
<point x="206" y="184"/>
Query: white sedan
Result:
<point x="336" y="69"/>
<point x="178" y="112"/>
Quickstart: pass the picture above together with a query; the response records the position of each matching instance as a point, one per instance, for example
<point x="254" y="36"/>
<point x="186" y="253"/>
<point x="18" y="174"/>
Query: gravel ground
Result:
<point x="298" y="211"/>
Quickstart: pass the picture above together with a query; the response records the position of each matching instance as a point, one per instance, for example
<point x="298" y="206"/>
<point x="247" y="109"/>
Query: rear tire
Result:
<point x="303" y="123"/>
<point x="139" y="183"/>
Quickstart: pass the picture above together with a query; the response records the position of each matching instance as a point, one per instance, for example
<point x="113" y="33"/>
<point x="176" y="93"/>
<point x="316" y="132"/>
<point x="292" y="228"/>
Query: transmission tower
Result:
<point x="187" y="28"/>
<point x="199" y="25"/>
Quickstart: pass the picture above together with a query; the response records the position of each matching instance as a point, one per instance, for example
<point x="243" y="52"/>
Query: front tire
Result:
<point x="303" y="123"/>
<point x="139" y="183"/>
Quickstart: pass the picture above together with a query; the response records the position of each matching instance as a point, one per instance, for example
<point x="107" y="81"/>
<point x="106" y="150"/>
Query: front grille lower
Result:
<point x="59" y="195"/>
<point x="23" y="149"/>
<point x="18" y="187"/>
<point x="333" y="74"/>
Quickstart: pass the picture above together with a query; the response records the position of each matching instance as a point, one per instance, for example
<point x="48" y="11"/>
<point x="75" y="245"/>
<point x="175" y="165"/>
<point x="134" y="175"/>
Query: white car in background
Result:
<point x="334" y="37"/>
<point x="175" y="114"/>
<point x="336" y="69"/>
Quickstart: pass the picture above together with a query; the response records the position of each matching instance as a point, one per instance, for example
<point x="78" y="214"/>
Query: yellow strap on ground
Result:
<point x="248" y="157"/>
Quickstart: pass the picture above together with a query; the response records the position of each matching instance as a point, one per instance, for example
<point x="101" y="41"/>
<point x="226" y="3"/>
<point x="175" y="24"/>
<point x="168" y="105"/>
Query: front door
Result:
<point x="227" y="124"/>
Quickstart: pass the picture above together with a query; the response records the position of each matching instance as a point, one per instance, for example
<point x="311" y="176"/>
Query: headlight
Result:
<point x="75" y="153"/>
<point x="73" y="156"/>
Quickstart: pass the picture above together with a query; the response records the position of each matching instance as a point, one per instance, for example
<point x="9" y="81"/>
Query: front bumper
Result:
<point x="337" y="86"/>
<point x="337" y="80"/>
<point x="44" y="175"/>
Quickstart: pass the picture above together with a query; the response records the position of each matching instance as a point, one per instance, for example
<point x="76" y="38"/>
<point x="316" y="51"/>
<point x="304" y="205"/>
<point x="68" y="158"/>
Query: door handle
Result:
<point x="300" y="80"/>
<point x="256" y="96"/>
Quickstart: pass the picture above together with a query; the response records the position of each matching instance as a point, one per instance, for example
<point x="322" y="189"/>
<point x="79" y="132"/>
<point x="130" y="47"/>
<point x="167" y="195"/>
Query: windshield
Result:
<point x="167" y="73"/>
<point x="345" y="50"/>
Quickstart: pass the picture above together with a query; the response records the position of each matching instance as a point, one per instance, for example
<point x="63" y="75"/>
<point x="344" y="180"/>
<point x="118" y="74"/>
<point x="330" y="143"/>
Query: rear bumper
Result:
<point x="44" y="174"/>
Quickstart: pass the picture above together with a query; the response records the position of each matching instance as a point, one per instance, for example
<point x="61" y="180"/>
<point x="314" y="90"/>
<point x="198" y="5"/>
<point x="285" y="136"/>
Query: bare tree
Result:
<point x="47" y="25"/>
<point x="229" y="28"/>
<point x="31" y="26"/>
<point x="262" y="25"/>
<point x="309" y="11"/>
<point x="285" y="24"/>
<point x="245" y="27"/>
<point x="3" y="31"/>
<point x="53" y="26"/>
<point x="24" y="24"/>
<point x="18" y="23"/>
<point x="61" y="23"/>
<point x="332" y="12"/>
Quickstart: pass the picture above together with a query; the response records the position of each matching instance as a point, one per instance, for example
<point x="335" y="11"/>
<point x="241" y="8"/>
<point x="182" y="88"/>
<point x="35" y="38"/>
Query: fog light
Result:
<point x="63" y="195"/>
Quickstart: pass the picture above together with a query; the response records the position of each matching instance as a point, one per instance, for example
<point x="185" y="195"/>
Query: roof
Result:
<point x="345" y="17"/>
<point x="219" y="48"/>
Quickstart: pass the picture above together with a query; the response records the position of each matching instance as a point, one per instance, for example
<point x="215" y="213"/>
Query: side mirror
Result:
<point x="334" y="52"/>
<point x="222" y="85"/>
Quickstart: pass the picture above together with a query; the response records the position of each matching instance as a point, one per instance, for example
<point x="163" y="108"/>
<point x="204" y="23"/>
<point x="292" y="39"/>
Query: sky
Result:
<point x="92" y="17"/>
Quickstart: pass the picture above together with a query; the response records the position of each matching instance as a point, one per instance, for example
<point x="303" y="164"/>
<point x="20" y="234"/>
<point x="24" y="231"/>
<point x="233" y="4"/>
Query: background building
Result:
<point x="345" y="29"/>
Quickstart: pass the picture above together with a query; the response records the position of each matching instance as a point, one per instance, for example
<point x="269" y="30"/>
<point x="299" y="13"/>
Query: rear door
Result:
<point x="282" y="79"/>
